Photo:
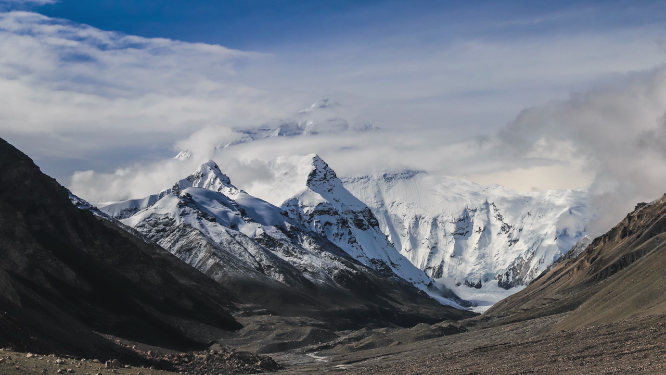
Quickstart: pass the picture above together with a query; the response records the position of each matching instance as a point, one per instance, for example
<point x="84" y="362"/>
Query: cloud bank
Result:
<point x="611" y="138"/>
<point x="90" y="91"/>
<point x="616" y="132"/>
<point x="116" y="108"/>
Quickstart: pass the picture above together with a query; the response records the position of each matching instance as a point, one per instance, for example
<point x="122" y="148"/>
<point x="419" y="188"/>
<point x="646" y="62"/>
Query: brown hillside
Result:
<point x="620" y="275"/>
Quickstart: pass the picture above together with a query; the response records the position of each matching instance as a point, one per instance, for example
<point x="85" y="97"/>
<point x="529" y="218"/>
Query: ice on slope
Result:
<point x="193" y="204"/>
<point x="84" y="205"/>
<point x="183" y="155"/>
<point x="473" y="234"/>
<point x="323" y="103"/>
<point x="579" y="247"/>
<point x="209" y="223"/>
<point x="125" y="209"/>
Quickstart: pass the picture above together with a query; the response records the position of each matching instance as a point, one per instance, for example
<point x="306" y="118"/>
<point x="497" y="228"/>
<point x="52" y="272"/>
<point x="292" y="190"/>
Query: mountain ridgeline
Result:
<point x="274" y="260"/>
<point x="472" y="234"/>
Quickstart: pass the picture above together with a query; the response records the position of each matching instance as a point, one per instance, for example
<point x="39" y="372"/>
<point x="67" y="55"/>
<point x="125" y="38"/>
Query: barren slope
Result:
<point x="620" y="275"/>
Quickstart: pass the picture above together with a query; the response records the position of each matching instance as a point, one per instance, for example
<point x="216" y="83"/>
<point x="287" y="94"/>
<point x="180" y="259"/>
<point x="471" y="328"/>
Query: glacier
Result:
<point x="445" y="236"/>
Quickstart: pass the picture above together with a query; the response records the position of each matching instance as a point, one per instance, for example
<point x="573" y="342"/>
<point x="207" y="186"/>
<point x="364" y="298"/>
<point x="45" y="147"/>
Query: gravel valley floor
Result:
<point x="635" y="346"/>
<point x="626" y="347"/>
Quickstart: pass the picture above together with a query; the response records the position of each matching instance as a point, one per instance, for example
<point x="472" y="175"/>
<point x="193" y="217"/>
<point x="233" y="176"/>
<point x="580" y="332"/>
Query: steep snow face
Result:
<point x="578" y="248"/>
<point x="208" y="176"/>
<point x="311" y="193"/>
<point x="210" y="224"/>
<point x="472" y="234"/>
<point x="233" y="226"/>
<point x="574" y="252"/>
<point x="125" y="209"/>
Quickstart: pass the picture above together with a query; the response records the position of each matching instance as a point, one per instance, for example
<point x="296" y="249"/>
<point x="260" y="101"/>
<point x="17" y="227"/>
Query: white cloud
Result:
<point x="612" y="137"/>
<point x="348" y="153"/>
<point x="467" y="85"/>
<point x="74" y="92"/>
<point x="82" y="84"/>
<point x="616" y="132"/>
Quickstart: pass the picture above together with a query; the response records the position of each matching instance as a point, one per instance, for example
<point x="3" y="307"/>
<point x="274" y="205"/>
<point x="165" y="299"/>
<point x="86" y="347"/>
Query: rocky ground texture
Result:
<point x="202" y="362"/>
<point x="219" y="362"/>
<point x="625" y="347"/>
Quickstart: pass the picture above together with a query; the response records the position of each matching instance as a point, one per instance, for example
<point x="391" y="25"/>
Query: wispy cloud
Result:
<point x="610" y="138"/>
<point x="89" y="89"/>
<point x="28" y="2"/>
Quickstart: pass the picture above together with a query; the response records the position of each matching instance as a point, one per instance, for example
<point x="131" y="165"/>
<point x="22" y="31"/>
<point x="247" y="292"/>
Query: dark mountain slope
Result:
<point x="621" y="274"/>
<point x="65" y="273"/>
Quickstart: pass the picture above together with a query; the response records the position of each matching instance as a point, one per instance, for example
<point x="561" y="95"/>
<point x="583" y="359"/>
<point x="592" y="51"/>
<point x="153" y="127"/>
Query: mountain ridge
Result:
<point x="471" y="233"/>
<point x="250" y="245"/>
<point x="312" y="194"/>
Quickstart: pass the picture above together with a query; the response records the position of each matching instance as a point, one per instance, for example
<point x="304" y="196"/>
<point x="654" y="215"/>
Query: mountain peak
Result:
<point x="321" y="173"/>
<point x="184" y="155"/>
<point x="323" y="103"/>
<point x="208" y="176"/>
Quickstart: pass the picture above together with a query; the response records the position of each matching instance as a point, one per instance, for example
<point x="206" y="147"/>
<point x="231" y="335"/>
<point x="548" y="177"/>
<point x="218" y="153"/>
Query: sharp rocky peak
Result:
<point x="321" y="175"/>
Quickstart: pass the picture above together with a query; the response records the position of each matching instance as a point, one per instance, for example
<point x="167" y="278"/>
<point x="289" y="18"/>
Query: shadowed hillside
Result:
<point x="65" y="273"/>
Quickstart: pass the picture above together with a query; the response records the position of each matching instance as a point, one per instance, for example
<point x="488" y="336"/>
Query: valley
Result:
<point x="303" y="282"/>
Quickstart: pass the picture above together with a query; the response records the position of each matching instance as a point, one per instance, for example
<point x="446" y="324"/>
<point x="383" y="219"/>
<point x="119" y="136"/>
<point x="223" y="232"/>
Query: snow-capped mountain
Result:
<point x="207" y="176"/>
<point x="574" y="252"/>
<point x="183" y="155"/>
<point x="311" y="193"/>
<point x="206" y="209"/>
<point x="324" y="116"/>
<point x="236" y="238"/>
<point x="471" y="234"/>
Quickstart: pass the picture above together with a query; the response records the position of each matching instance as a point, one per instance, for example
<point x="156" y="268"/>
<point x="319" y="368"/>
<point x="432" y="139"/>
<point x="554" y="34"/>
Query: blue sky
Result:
<point x="269" y="25"/>
<point x="102" y="93"/>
